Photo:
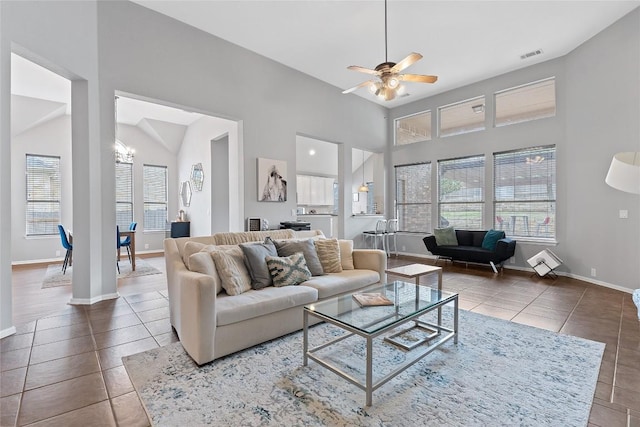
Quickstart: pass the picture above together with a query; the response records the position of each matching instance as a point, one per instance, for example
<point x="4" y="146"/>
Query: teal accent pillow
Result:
<point x="445" y="236"/>
<point x="491" y="239"/>
<point x="288" y="271"/>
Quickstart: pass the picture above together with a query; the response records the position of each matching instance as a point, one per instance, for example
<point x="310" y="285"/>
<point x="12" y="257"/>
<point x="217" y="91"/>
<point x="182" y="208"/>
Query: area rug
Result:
<point x="499" y="373"/>
<point x="54" y="276"/>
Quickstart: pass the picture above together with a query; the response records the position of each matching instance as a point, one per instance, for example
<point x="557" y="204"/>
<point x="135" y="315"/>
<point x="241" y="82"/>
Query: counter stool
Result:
<point x="391" y="232"/>
<point x="380" y="231"/>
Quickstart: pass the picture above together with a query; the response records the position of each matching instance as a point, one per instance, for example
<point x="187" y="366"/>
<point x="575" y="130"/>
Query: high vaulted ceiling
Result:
<point x="462" y="41"/>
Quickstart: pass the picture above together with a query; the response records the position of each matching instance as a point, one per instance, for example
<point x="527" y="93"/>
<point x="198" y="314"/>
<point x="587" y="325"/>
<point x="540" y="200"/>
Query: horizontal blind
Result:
<point x="525" y="191"/>
<point x="461" y="192"/>
<point x="413" y="197"/>
<point x="155" y="197"/>
<point x="43" y="195"/>
<point x="124" y="194"/>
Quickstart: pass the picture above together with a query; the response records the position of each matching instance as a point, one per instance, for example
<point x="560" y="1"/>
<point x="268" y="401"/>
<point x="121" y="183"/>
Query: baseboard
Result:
<point x="7" y="332"/>
<point x="529" y="269"/>
<point x="47" y="261"/>
<point x="90" y="301"/>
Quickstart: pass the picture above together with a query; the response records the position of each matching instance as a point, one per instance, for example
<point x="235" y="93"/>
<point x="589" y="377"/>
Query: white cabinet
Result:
<point x="314" y="190"/>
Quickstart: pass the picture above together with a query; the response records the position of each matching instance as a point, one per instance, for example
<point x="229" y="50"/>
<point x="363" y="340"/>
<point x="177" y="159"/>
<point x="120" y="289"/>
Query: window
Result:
<point x="528" y="102"/>
<point x="413" y="128"/>
<point x="461" y="117"/>
<point x="43" y="195"/>
<point x="155" y="197"/>
<point x="124" y="194"/>
<point x="525" y="192"/>
<point x="413" y="197"/>
<point x="461" y="192"/>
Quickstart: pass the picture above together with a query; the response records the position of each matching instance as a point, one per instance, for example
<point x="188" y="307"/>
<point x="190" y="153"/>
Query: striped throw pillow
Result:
<point x="329" y="254"/>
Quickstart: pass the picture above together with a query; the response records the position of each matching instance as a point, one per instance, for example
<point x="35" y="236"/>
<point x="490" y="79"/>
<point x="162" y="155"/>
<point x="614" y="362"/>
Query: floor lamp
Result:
<point x="624" y="175"/>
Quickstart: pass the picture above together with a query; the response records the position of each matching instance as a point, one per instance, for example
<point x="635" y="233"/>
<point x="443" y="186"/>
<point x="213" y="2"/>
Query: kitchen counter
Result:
<point x="318" y="214"/>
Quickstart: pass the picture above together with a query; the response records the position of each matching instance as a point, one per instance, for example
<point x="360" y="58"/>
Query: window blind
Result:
<point x="525" y="192"/>
<point x="413" y="197"/>
<point x="461" y="192"/>
<point x="155" y="197"/>
<point x="43" y="195"/>
<point x="124" y="194"/>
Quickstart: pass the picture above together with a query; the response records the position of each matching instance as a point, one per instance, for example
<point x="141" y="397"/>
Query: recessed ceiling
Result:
<point x="462" y="41"/>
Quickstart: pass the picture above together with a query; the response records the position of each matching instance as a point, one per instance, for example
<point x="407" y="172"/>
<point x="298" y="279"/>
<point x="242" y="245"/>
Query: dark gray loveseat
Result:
<point x="470" y="248"/>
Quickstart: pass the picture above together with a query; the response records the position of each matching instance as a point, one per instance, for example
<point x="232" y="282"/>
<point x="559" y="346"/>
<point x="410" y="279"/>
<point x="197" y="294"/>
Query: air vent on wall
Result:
<point x="530" y="54"/>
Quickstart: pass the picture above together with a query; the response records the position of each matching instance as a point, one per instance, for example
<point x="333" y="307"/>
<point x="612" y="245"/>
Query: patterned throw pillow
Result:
<point x="287" y="271"/>
<point x="232" y="271"/>
<point x="329" y="254"/>
<point x="290" y="247"/>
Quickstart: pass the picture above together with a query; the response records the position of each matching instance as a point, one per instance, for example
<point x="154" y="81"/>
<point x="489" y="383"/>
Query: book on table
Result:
<point x="371" y="299"/>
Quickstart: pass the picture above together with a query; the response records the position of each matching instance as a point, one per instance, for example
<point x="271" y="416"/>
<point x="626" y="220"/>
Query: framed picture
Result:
<point x="272" y="180"/>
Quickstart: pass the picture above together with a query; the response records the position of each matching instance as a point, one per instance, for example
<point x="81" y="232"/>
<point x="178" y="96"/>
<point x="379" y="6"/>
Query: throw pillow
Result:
<point x="233" y="274"/>
<point x="289" y="247"/>
<point x="491" y="239"/>
<point x="329" y="254"/>
<point x="189" y="249"/>
<point x="202" y="262"/>
<point x="254" y="258"/>
<point x="346" y="254"/>
<point x="445" y="236"/>
<point x="289" y="270"/>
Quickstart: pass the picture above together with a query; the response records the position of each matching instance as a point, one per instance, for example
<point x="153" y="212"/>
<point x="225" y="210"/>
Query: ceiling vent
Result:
<point x="532" y="53"/>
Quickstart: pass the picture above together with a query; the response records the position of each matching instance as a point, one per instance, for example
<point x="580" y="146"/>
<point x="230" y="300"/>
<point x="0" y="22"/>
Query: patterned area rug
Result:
<point x="499" y="373"/>
<point x="54" y="276"/>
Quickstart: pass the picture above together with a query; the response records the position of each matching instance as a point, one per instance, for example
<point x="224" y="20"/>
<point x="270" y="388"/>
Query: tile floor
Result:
<point x="65" y="369"/>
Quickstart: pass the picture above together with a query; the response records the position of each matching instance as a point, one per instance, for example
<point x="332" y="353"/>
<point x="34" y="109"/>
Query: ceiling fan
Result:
<point x="387" y="81"/>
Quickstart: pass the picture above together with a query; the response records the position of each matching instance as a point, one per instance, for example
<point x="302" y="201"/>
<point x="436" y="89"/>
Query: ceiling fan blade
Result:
<point x="410" y="59"/>
<point x="417" y="78"/>
<point x="362" y="69"/>
<point x="363" y="84"/>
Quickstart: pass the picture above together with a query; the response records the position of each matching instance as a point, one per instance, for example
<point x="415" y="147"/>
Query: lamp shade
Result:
<point x="624" y="172"/>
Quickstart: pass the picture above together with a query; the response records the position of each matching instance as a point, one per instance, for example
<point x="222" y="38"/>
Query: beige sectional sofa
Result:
<point x="211" y="323"/>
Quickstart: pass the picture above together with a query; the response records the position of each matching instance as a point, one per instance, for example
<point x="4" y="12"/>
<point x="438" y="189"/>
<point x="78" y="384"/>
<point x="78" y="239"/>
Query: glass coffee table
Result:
<point x="410" y="302"/>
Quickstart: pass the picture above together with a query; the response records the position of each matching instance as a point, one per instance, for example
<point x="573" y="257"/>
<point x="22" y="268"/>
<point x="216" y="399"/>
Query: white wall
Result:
<point x="196" y="148"/>
<point x="598" y="106"/>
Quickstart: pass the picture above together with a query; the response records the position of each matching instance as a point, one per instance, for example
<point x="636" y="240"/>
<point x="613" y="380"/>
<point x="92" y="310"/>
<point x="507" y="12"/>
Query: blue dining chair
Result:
<point x="118" y="245"/>
<point x="68" y="246"/>
<point x="127" y="241"/>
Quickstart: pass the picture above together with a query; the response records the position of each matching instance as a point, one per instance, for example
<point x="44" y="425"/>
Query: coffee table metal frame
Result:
<point x="369" y="386"/>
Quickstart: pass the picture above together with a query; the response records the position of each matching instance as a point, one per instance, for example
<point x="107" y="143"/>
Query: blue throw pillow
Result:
<point x="491" y="239"/>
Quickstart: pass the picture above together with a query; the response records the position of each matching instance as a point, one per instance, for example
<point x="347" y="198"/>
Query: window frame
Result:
<point x="53" y="201"/>
<point x="481" y="203"/>
<point x="397" y="120"/>
<point x="515" y="88"/>
<point x="428" y="203"/>
<point x="125" y="202"/>
<point x="552" y="210"/>
<point x="480" y="98"/>
<point x="147" y="201"/>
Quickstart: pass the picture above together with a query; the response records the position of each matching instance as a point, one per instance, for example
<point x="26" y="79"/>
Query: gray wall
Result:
<point x="104" y="47"/>
<point x="598" y="110"/>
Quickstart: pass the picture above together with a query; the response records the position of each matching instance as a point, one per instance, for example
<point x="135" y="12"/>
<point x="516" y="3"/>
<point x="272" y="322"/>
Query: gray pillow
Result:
<point x="445" y="236"/>
<point x="287" y="248"/>
<point x="255" y="255"/>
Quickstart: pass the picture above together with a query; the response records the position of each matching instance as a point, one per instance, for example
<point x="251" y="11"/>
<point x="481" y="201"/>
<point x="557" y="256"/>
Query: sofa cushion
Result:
<point x="289" y="270"/>
<point x="255" y="258"/>
<point x="478" y="238"/>
<point x="202" y="262"/>
<point x="346" y="254"/>
<point x="286" y="248"/>
<point x="329" y="254"/>
<point x="445" y="236"/>
<point x="464" y="237"/>
<point x="338" y="283"/>
<point x="490" y="239"/>
<point x="233" y="273"/>
<point x="259" y="303"/>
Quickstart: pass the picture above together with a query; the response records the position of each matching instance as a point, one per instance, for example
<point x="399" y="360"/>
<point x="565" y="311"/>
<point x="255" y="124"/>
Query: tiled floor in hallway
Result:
<point x="64" y="365"/>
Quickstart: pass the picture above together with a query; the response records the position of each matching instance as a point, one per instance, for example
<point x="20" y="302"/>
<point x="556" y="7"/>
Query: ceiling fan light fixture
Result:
<point x="393" y="82"/>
